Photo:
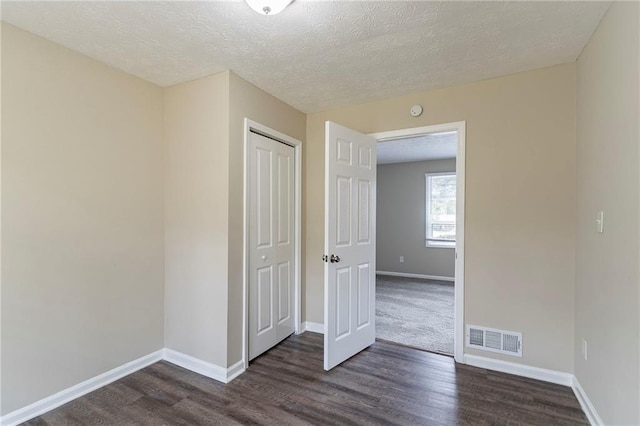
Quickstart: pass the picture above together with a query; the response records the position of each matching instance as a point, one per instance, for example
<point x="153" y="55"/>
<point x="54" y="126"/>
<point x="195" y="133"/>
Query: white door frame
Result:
<point x="460" y="128"/>
<point x="249" y="126"/>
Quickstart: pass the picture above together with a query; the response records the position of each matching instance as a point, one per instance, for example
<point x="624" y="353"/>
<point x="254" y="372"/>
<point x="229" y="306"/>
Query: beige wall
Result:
<point x="607" y="272"/>
<point x="400" y="220"/>
<point x="196" y="217"/>
<point x="520" y="201"/>
<point x="87" y="150"/>
<point x="246" y="100"/>
<point x="204" y="133"/>
<point x="82" y="218"/>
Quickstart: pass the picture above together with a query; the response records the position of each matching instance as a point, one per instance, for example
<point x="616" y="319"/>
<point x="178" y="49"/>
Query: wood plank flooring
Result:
<point x="385" y="384"/>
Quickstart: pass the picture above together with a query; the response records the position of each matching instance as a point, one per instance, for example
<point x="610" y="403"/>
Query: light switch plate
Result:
<point x="600" y="222"/>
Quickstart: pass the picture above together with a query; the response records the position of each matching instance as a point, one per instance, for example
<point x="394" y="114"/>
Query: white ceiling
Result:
<point x="317" y="55"/>
<point x="434" y="146"/>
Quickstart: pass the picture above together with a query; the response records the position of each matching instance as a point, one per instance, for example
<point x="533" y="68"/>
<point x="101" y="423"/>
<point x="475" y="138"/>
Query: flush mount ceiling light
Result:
<point x="268" y="7"/>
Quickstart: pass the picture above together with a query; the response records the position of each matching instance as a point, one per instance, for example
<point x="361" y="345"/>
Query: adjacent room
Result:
<point x="204" y="219"/>
<point x="416" y="231"/>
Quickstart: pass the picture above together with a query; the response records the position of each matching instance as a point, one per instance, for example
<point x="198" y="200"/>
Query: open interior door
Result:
<point x="350" y="273"/>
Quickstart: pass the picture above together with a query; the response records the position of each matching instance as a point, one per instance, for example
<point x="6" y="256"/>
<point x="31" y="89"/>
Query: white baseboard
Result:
<point x="208" y="369"/>
<point x="552" y="376"/>
<point x="49" y="403"/>
<point x="313" y="327"/>
<point x="235" y="370"/>
<point x="585" y="403"/>
<point x="225" y="375"/>
<point x="221" y="374"/>
<point x="197" y="365"/>
<point x="424" y="277"/>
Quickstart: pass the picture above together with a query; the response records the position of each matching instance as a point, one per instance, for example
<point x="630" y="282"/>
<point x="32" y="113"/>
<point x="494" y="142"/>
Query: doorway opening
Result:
<point x="420" y="237"/>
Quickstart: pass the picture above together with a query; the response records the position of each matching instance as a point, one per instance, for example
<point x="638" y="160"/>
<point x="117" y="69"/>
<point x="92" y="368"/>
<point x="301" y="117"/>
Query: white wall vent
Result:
<point x="490" y="339"/>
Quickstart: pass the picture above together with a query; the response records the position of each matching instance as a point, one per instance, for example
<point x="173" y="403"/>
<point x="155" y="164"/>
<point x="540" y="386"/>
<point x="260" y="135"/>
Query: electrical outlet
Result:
<point x="401" y="259"/>
<point x="584" y="349"/>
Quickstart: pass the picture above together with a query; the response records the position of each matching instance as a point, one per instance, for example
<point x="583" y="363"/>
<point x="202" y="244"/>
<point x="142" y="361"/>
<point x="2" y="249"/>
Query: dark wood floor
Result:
<point x="385" y="384"/>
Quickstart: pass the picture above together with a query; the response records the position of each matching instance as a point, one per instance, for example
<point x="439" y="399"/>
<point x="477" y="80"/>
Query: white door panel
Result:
<point x="265" y="291"/>
<point x="284" y="292"/>
<point x="350" y="184"/>
<point x="271" y="247"/>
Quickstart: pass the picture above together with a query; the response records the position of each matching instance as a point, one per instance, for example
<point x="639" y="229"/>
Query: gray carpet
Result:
<point x="415" y="312"/>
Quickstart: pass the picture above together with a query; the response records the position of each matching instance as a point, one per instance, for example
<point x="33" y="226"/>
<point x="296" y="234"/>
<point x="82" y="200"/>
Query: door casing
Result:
<point x="252" y="126"/>
<point x="460" y="128"/>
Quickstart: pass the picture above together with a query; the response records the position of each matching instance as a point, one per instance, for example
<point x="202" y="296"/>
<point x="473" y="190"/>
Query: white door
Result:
<point x="271" y="243"/>
<point x="350" y="273"/>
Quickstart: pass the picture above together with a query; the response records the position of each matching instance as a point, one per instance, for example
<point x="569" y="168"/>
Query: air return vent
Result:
<point x="490" y="339"/>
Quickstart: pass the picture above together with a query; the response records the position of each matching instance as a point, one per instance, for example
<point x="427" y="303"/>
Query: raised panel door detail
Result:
<point x="265" y="294"/>
<point x="343" y="302"/>
<point x="364" y="194"/>
<point x="284" y="299"/>
<point x="364" y="287"/>
<point x="364" y="157"/>
<point x="284" y="200"/>
<point x="350" y="211"/>
<point x="343" y="201"/>
<point x="264" y="198"/>
<point x="343" y="152"/>
<point x="271" y="227"/>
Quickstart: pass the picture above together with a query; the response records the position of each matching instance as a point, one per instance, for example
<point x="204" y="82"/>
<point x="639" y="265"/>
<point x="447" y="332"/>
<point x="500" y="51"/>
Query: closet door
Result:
<point x="271" y="243"/>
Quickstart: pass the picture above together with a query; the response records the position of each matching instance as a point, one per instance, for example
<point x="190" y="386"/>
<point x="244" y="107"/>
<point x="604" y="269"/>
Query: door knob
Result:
<point x="334" y="258"/>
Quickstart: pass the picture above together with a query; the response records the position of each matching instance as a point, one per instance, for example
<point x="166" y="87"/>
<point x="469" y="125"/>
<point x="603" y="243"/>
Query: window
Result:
<point x="441" y="210"/>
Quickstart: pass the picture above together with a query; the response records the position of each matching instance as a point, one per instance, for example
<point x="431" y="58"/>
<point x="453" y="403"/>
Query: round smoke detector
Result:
<point x="416" y="110"/>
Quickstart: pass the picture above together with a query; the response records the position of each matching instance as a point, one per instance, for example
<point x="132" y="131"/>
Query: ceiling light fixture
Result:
<point x="268" y="7"/>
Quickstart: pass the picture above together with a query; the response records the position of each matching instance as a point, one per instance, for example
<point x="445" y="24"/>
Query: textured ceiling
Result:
<point x="434" y="146"/>
<point x="318" y="55"/>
